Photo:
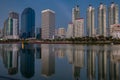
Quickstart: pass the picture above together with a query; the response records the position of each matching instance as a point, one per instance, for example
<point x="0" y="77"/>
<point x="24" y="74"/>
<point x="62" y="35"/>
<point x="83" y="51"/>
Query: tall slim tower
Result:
<point x="90" y="21"/>
<point x="113" y="14"/>
<point x="75" y="13"/>
<point x="102" y="20"/>
<point x="48" y="24"/>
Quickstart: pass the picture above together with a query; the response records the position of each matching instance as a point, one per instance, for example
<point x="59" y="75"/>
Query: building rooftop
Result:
<point x="47" y="10"/>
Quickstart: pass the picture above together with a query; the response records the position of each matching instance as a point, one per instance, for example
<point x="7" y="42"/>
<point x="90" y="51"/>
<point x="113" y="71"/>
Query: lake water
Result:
<point x="59" y="62"/>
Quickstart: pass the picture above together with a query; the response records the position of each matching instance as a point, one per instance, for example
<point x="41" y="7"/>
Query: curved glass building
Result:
<point x="28" y="23"/>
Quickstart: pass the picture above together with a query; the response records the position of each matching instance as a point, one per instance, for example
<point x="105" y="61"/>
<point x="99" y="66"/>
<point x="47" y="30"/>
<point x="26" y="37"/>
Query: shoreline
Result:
<point x="59" y="42"/>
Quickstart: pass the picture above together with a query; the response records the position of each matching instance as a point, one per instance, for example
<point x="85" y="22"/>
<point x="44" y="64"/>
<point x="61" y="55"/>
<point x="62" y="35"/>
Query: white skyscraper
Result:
<point x="113" y="15"/>
<point x="90" y="21"/>
<point x="48" y="24"/>
<point x="75" y="13"/>
<point x="102" y="20"/>
<point x="79" y="27"/>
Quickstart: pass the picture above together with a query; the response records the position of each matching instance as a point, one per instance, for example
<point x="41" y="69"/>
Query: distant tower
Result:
<point x="102" y="20"/>
<point x="28" y="23"/>
<point x="113" y="14"/>
<point x="48" y="24"/>
<point x="90" y="21"/>
<point x="75" y="13"/>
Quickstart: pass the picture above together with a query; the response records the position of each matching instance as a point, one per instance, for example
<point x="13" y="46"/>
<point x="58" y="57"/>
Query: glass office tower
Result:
<point x="28" y="23"/>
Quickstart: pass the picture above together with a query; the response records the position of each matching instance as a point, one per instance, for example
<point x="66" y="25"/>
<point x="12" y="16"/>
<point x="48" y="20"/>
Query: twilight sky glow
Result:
<point x="62" y="8"/>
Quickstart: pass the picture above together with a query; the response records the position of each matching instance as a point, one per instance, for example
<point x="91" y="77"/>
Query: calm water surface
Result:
<point x="59" y="62"/>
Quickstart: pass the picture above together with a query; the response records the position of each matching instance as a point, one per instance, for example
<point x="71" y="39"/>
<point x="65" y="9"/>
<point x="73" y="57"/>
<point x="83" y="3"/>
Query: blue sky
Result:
<point x="63" y="8"/>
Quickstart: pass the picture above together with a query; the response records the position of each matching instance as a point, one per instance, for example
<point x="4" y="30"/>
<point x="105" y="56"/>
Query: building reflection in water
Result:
<point x="102" y="63"/>
<point x="60" y="51"/>
<point x="114" y="62"/>
<point x="38" y="51"/>
<point x="27" y="60"/>
<point x="69" y="53"/>
<point x="48" y="60"/>
<point x="10" y="58"/>
<point x="75" y="55"/>
<point x="91" y="53"/>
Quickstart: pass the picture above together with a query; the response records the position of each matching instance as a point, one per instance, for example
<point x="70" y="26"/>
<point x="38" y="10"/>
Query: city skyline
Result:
<point x="62" y="8"/>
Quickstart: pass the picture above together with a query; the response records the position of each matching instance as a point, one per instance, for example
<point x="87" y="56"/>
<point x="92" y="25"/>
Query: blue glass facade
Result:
<point x="28" y="23"/>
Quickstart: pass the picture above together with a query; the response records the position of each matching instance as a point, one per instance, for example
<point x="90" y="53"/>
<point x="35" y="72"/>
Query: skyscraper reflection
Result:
<point x="48" y="60"/>
<point x="69" y="52"/>
<point x="102" y="63"/>
<point x="27" y="60"/>
<point x="78" y="60"/>
<point x="91" y="55"/>
<point x="10" y="58"/>
<point x="75" y="55"/>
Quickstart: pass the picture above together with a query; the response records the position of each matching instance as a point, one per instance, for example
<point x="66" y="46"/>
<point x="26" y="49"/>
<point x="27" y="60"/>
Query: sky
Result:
<point x="62" y="8"/>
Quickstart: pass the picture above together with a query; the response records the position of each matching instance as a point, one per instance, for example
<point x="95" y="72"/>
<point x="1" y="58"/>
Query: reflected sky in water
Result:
<point x="59" y="62"/>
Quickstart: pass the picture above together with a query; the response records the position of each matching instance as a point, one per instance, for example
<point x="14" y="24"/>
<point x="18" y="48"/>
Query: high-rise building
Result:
<point x="11" y="26"/>
<point x="113" y="15"/>
<point x="69" y="33"/>
<point x="90" y="21"/>
<point x="61" y="32"/>
<point x="77" y="23"/>
<point x="102" y="19"/>
<point x="28" y="23"/>
<point x="75" y="13"/>
<point x="48" y="24"/>
<point x="79" y="27"/>
<point x="15" y="26"/>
